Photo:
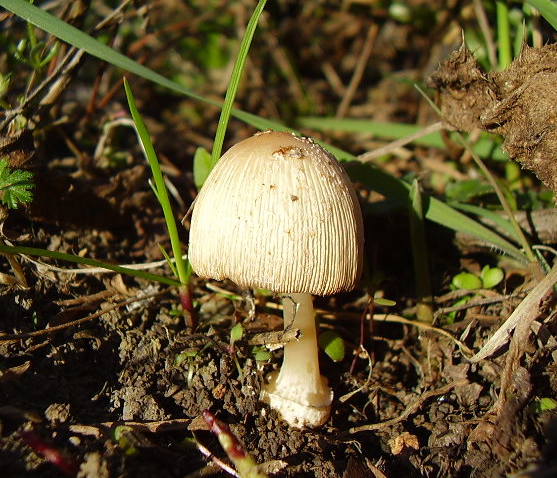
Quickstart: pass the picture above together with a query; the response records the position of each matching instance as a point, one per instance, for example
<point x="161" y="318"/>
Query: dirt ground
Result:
<point x="101" y="376"/>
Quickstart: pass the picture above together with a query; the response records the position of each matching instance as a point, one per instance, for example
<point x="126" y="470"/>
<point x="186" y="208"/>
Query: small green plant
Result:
<point x="488" y="278"/>
<point x="543" y="404"/>
<point x="332" y="344"/>
<point x="245" y="464"/>
<point x="15" y="185"/>
<point x="125" y="437"/>
<point x="34" y="53"/>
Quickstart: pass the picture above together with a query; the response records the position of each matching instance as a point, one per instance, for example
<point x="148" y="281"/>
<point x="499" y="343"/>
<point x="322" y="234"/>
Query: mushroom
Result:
<point x="278" y="212"/>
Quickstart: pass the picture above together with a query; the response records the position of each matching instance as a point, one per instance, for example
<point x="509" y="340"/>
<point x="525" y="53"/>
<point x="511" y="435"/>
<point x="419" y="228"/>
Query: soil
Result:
<point x="102" y="375"/>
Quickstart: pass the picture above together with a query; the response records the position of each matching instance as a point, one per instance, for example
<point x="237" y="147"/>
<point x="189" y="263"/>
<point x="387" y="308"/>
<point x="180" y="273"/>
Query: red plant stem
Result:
<point x="233" y="448"/>
<point x="368" y="311"/>
<point x="187" y="306"/>
<point x="65" y="464"/>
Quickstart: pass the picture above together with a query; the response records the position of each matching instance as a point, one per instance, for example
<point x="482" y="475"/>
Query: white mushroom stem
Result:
<point x="299" y="393"/>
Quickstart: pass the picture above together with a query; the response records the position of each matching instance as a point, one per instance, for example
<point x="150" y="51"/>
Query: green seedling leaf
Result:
<point x="187" y="354"/>
<point x="332" y="344"/>
<point x="202" y="164"/>
<point x="15" y="185"/>
<point x="261" y="354"/>
<point x="451" y="316"/>
<point x="467" y="281"/>
<point x="384" y="302"/>
<point x="124" y="435"/>
<point x="543" y="404"/>
<point x="491" y="276"/>
<point x="236" y="333"/>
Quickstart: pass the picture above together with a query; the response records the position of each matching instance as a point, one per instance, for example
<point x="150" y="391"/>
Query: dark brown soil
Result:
<point x="100" y="373"/>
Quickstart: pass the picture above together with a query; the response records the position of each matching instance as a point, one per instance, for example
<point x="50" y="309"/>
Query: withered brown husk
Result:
<point x="517" y="103"/>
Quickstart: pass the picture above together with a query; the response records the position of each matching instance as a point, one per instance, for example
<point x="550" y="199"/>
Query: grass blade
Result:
<point x="159" y="186"/>
<point x="234" y="82"/>
<point x="424" y="306"/>
<point x="434" y="209"/>
<point x="547" y="9"/>
<point x="484" y="147"/>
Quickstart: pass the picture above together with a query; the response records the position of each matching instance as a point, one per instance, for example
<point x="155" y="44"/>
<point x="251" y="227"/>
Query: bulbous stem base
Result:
<point x="298" y="392"/>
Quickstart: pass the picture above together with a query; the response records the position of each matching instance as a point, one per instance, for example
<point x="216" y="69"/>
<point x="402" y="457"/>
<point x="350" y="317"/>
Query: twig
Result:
<point x="399" y="143"/>
<point x="412" y="408"/>
<point x="358" y="71"/>
<point x="219" y="463"/>
<point x="527" y="311"/>
<point x="96" y="270"/>
<point x="57" y="328"/>
<point x="483" y="23"/>
<point x="160" y="426"/>
<point x="422" y="325"/>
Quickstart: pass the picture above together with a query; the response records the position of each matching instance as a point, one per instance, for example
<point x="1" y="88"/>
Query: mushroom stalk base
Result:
<point x="298" y="392"/>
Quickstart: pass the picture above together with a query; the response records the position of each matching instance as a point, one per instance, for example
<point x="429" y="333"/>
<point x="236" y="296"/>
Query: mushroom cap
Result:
<point x="278" y="212"/>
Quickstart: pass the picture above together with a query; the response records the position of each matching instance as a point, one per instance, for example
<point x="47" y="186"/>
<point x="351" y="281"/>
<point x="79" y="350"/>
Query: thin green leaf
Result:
<point x="202" y="166"/>
<point x="169" y="261"/>
<point x="485" y="147"/>
<point x="234" y="82"/>
<point x="500" y="221"/>
<point x="503" y="34"/>
<point x="547" y="9"/>
<point x="160" y="187"/>
<point x="424" y="307"/>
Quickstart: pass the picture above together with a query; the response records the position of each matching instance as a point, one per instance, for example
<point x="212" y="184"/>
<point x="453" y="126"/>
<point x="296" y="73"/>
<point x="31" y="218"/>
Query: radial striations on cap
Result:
<point x="278" y="212"/>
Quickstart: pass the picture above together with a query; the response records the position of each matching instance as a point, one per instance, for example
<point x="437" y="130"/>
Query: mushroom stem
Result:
<point x="299" y="393"/>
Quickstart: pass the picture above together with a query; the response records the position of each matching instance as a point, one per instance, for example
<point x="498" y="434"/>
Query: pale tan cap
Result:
<point x="278" y="212"/>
